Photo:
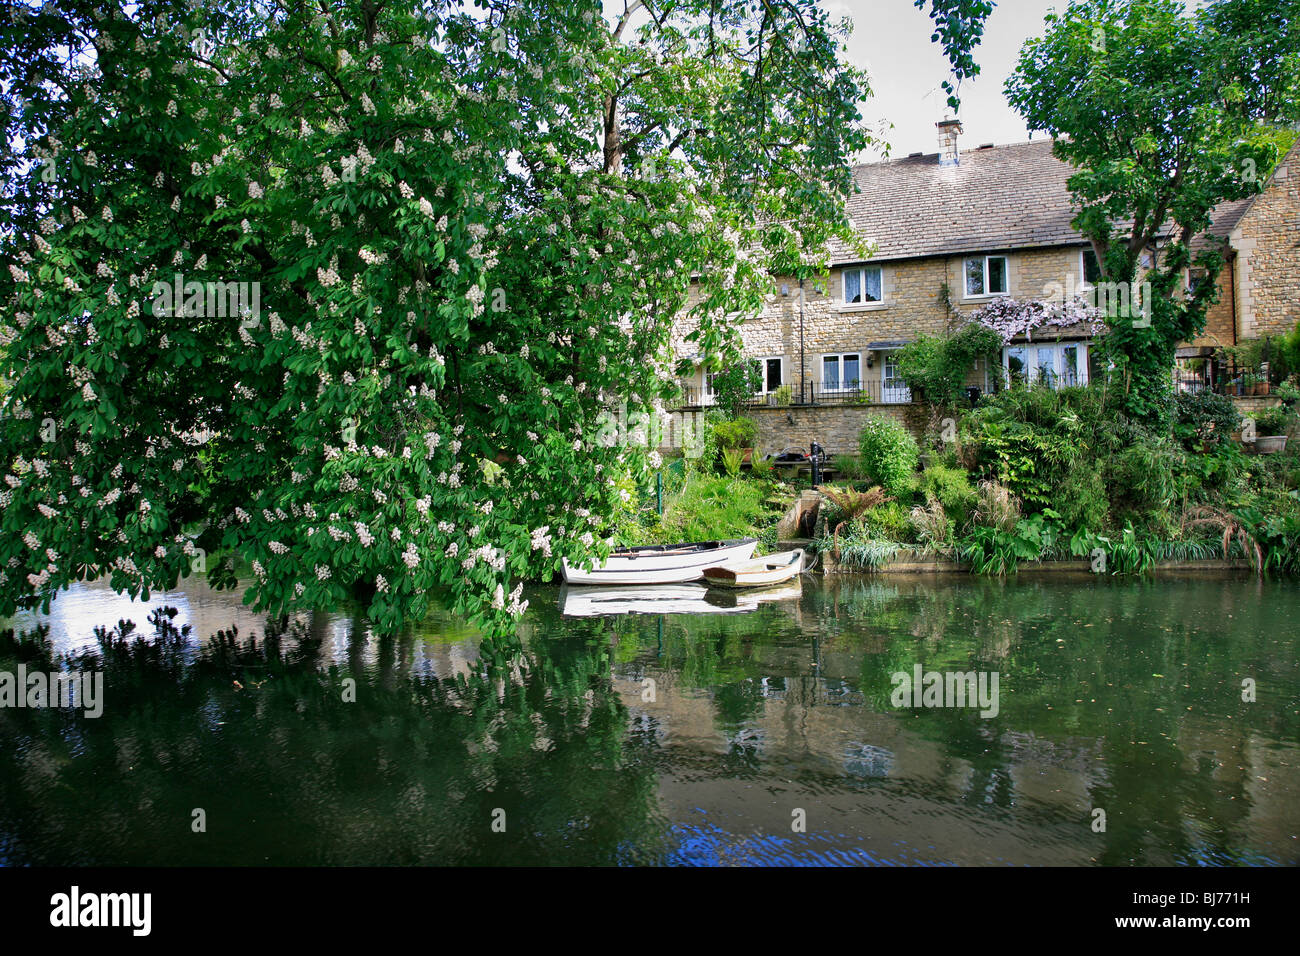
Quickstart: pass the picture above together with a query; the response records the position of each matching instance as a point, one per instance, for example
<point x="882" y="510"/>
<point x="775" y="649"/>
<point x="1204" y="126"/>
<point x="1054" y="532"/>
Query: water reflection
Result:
<point x="671" y="738"/>
<point x="579" y="601"/>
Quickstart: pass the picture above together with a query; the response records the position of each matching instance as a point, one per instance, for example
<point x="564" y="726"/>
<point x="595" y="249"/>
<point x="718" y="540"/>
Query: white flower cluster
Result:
<point x="411" y="557"/>
<point x="517" y="607"/>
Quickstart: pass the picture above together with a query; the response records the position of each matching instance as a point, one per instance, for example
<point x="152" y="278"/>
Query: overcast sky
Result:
<point x="891" y="38"/>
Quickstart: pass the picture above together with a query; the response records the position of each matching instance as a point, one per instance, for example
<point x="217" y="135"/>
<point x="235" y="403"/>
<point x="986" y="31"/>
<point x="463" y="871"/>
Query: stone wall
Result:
<point x="1259" y="294"/>
<point x="834" y="427"/>
<point x="1267" y="240"/>
<point x="912" y="305"/>
<point x="1218" y="330"/>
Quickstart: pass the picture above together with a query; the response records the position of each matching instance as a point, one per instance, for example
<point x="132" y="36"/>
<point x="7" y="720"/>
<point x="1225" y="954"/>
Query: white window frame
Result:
<point x="1006" y="275"/>
<point x="839" y="364"/>
<point x="1084" y="284"/>
<point x="844" y="287"/>
<point x="1032" y="367"/>
<point x="762" y="361"/>
<point x="898" y="394"/>
<point x="707" y="395"/>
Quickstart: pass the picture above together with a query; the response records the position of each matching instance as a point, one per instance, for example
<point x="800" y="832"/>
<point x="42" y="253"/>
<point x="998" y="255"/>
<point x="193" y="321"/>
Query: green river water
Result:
<point x="700" y="729"/>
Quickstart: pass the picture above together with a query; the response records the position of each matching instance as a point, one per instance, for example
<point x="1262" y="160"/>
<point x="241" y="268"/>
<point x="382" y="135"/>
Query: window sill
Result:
<point x="868" y="307"/>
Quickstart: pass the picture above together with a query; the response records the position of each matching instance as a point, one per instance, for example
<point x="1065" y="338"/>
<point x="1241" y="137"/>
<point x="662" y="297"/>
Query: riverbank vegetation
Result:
<point x="710" y="496"/>
<point x="1037" y="473"/>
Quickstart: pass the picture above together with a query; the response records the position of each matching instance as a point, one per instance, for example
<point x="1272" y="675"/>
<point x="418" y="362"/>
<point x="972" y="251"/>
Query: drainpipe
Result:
<point x="1232" y="284"/>
<point x="801" y="338"/>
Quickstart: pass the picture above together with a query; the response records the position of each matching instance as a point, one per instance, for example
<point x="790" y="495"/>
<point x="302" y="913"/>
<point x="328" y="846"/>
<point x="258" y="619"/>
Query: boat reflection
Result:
<point x="578" y="601"/>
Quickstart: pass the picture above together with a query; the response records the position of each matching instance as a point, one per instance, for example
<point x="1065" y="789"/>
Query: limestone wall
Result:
<point x="1267" y="240"/>
<point x="834" y="427"/>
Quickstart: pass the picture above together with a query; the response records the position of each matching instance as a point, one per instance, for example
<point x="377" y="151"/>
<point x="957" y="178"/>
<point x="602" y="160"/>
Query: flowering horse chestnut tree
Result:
<point x="337" y="292"/>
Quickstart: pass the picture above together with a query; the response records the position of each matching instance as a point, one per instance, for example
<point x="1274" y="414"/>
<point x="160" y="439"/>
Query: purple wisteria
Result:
<point x="1010" y="318"/>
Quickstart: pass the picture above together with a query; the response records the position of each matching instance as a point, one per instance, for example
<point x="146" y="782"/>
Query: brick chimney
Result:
<point x="949" y="130"/>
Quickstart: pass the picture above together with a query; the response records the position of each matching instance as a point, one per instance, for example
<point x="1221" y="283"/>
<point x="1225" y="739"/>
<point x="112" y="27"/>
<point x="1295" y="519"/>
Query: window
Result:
<point x="1089" y="268"/>
<point x="1062" y="365"/>
<point x="862" y="285"/>
<point x="842" y="372"/>
<point x="986" y="275"/>
<point x="769" y="369"/>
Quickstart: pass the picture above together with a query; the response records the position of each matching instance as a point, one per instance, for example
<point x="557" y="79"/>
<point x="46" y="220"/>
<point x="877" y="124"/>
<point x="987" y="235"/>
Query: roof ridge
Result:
<point x="920" y="154"/>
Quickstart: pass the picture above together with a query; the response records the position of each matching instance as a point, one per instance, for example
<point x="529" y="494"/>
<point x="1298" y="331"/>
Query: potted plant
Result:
<point x="1271" y="427"/>
<point x="783" y="395"/>
<point x="1255" y="384"/>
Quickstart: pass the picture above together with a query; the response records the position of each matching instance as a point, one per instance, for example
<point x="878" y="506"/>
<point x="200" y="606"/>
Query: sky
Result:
<point x="891" y="39"/>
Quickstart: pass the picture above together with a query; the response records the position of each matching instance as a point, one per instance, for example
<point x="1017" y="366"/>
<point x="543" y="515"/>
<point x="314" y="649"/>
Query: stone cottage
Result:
<point x="954" y="231"/>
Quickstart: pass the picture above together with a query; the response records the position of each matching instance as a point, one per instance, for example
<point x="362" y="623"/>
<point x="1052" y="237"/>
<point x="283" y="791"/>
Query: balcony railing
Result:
<point x="892" y="392"/>
<point x="1223" y="378"/>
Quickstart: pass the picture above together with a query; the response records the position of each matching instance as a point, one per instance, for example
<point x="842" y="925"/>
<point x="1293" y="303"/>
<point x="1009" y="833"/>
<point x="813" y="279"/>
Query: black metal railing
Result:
<point x="891" y="392"/>
<point x="1223" y="378"/>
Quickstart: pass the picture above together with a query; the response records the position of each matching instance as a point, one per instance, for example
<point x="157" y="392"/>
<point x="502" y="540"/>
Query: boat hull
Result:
<point x="758" y="573"/>
<point x="671" y="564"/>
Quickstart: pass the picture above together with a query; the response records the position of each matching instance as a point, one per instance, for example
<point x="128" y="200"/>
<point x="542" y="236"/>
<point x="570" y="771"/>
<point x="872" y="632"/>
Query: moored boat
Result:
<point x="757" y="572"/>
<point x="661" y="564"/>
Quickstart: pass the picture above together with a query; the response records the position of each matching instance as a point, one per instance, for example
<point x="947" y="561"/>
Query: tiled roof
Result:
<point x="1222" y="221"/>
<point x="1000" y="197"/>
<point x="996" y="198"/>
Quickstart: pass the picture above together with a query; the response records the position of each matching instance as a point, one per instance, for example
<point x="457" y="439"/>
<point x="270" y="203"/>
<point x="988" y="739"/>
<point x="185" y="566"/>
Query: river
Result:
<point x="704" y="730"/>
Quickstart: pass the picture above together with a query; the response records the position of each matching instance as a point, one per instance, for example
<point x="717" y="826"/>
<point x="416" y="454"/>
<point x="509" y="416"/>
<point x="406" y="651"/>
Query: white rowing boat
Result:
<point x="758" y="572"/>
<point x="661" y="564"/>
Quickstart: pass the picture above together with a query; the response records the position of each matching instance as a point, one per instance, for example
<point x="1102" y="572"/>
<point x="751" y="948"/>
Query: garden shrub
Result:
<point x="1147" y="478"/>
<point x="889" y="454"/>
<point x="932" y="524"/>
<point x="952" y="488"/>
<point x="712" y="507"/>
<point x="1273" y="421"/>
<point x="1082" y="499"/>
<point x="1203" y="420"/>
<point x="937" y="366"/>
<point x="735" y="433"/>
<point x="734" y="387"/>
<point x="891" y="521"/>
